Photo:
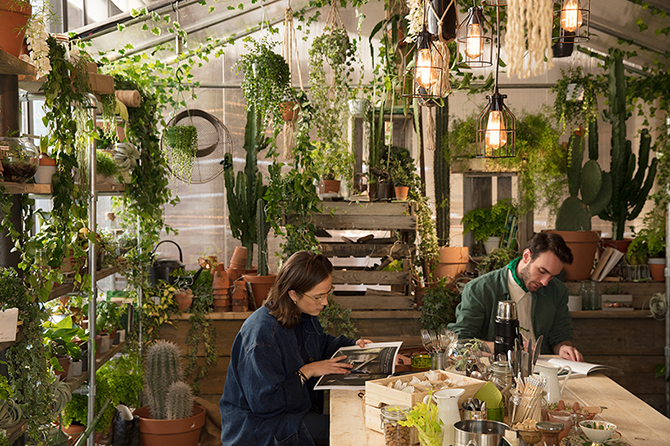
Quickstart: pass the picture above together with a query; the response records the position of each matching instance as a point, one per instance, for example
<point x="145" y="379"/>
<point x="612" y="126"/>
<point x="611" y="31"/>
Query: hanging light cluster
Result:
<point x="475" y="44"/>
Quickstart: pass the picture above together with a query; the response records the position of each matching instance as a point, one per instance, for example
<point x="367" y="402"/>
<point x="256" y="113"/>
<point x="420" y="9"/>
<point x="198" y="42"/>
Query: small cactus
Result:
<point x="262" y="229"/>
<point x="179" y="401"/>
<point x="161" y="371"/>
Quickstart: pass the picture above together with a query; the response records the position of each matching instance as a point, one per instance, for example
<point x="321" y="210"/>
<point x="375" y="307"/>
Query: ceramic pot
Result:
<point x="182" y="432"/>
<point x="184" y="299"/>
<point x="260" y="285"/>
<point x="583" y="245"/>
<point x="491" y="244"/>
<point x="453" y="261"/>
<point x="64" y="362"/>
<point x="45" y="170"/>
<point x="331" y="186"/>
<point x="289" y="111"/>
<point x="358" y="107"/>
<point x="73" y="432"/>
<point x="401" y="192"/>
<point x="14" y="17"/>
<point x="75" y="368"/>
<point x="239" y="259"/>
<point x="657" y="269"/>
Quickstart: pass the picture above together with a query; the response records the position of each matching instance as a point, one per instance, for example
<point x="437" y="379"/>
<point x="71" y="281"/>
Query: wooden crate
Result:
<point x="377" y="394"/>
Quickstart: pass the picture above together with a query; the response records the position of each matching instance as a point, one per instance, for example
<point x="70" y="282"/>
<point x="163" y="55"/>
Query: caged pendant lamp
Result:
<point x="496" y="125"/>
<point x="571" y="23"/>
<point x="474" y="39"/>
<point x="427" y="74"/>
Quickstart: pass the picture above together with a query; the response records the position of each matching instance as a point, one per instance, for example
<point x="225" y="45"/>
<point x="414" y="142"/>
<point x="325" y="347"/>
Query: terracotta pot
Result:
<point x="182" y="432"/>
<point x="73" y="432"/>
<point x="453" y="261"/>
<point x="64" y="362"/>
<point x="239" y="259"/>
<point x="13" y="19"/>
<point x="401" y="192"/>
<point x="657" y="269"/>
<point x="261" y="285"/>
<point x="619" y="245"/>
<point x="331" y="186"/>
<point x="220" y="280"/>
<point x="184" y="299"/>
<point x="288" y="111"/>
<point x="583" y="245"/>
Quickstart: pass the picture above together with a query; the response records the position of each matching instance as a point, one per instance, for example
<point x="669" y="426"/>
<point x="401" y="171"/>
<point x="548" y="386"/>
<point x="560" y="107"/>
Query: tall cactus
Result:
<point x="588" y="181"/>
<point x="244" y="191"/>
<point x="162" y="369"/>
<point x="262" y="229"/>
<point x="629" y="188"/>
<point x="179" y="401"/>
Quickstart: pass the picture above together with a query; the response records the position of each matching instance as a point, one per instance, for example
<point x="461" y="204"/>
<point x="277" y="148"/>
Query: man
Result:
<point x="541" y="299"/>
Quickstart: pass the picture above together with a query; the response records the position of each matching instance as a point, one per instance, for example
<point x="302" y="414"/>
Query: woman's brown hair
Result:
<point x="301" y="272"/>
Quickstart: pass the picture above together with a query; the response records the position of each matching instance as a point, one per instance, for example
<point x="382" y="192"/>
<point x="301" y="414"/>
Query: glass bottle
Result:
<point x="394" y="433"/>
<point x="501" y="377"/>
<point x="590" y="297"/>
<point x="550" y="432"/>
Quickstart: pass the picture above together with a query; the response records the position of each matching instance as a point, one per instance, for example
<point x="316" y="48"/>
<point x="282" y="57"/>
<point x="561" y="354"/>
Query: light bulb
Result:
<point x="571" y="15"/>
<point x="425" y="73"/>
<point x="496" y="134"/>
<point x="475" y="42"/>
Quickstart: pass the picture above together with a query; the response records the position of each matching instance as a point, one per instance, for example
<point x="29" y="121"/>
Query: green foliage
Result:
<point x="488" y="222"/>
<point x="266" y="80"/>
<point x="424" y="417"/>
<point x="630" y="188"/>
<point x="27" y="363"/>
<point x="244" y="191"/>
<point x="329" y="96"/>
<point x="336" y="320"/>
<point x="108" y="315"/>
<point x="183" y="143"/>
<point x="60" y="339"/>
<point x="496" y="259"/>
<point x="573" y="113"/>
<point x="650" y="241"/>
<point x="439" y="306"/>
<point x="333" y="162"/>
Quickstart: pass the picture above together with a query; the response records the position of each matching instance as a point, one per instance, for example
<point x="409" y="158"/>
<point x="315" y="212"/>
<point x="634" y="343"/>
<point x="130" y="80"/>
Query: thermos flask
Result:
<point x="506" y="327"/>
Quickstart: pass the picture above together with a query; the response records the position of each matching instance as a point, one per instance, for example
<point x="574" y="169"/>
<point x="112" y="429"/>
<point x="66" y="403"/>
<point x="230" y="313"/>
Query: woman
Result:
<point x="276" y="359"/>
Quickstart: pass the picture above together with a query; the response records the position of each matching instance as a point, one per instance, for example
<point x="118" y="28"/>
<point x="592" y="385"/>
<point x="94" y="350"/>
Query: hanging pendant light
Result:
<point x="496" y="125"/>
<point x="426" y="73"/>
<point x="474" y="39"/>
<point x="571" y="17"/>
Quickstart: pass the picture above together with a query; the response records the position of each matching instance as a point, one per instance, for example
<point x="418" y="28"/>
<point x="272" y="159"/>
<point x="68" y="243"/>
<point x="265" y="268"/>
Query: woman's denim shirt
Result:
<point x="263" y="400"/>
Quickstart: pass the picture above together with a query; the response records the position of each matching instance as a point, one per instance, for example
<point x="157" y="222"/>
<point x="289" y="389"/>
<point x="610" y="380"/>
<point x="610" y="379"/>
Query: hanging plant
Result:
<point x="266" y="80"/>
<point x="183" y="140"/>
<point x="576" y="99"/>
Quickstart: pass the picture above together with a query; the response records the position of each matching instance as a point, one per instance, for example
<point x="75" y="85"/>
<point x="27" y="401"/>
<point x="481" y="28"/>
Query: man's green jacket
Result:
<point x="476" y="314"/>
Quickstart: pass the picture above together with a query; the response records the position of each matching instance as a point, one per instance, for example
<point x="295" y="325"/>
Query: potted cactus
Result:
<point x="170" y="414"/>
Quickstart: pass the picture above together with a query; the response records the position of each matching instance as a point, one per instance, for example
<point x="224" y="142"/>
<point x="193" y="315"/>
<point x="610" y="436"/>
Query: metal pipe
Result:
<point x="92" y="267"/>
<point x="666" y="350"/>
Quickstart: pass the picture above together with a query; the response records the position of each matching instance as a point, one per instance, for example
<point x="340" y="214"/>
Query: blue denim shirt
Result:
<point x="263" y="400"/>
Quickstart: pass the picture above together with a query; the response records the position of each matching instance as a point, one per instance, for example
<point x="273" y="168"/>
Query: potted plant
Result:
<point x="333" y="164"/>
<point x="489" y="223"/>
<point x="14" y="17"/>
<point x="170" y="412"/>
<point x="648" y="247"/>
<point x="439" y="306"/>
<point x="46" y="165"/>
<point x="402" y="181"/>
<point x="496" y="259"/>
<point x="61" y="339"/>
<point x="183" y="142"/>
<point x="105" y="166"/>
<point x="19" y="159"/>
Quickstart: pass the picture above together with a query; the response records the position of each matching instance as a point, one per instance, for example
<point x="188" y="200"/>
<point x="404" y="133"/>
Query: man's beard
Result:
<point x="524" y="275"/>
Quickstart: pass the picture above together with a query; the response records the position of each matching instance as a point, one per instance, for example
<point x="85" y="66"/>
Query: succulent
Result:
<point x="162" y="370"/>
<point x="179" y="401"/>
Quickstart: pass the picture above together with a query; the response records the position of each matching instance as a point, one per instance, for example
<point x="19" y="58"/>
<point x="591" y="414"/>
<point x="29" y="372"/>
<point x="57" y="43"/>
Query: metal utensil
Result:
<point x="538" y="348"/>
<point x="426" y="340"/>
<point x="434" y="341"/>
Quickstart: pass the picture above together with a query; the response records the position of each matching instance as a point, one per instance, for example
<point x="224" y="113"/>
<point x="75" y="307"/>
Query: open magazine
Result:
<point x="579" y="369"/>
<point x="374" y="361"/>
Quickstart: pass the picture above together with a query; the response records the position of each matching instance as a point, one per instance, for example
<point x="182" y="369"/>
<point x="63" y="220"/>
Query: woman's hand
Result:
<point x="363" y="342"/>
<point x="328" y="367"/>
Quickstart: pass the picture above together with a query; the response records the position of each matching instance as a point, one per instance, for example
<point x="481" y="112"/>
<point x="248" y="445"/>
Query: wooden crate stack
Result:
<point x="381" y="315"/>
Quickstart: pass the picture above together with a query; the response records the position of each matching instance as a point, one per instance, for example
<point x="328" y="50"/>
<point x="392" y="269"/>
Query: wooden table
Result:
<point x="638" y="422"/>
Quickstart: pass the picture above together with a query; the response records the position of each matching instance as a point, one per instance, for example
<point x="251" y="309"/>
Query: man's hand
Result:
<point x="567" y="351"/>
<point x="363" y="342"/>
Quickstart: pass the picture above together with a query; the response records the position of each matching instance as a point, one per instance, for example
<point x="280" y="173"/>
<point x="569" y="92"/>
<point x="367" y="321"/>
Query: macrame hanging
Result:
<point x="334" y="19"/>
<point x="441" y="44"/>
<point x="290" y="47"/>
<point x="529" y="27"/>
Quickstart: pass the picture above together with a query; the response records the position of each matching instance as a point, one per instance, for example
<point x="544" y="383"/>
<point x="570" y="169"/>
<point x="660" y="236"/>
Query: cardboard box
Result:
<point x="378" y="394"/>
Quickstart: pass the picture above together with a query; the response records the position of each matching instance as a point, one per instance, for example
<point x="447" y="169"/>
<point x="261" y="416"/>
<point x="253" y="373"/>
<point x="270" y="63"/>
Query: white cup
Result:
<point x="575" y="302"/>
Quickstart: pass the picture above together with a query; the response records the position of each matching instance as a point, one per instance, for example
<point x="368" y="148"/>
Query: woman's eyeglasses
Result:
<point x="318" y="299"/>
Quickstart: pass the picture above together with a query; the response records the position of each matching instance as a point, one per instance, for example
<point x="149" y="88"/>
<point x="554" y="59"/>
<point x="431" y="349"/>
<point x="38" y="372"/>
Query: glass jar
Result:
<point x="550" y="432"/>
<point x="527" y="407"/>
<point x="501" y="377"/>
<point x="19" y="159"/>
<point x="421" y="361"/>
<point x="590" y="297"/>
<point x="394" y="433"/>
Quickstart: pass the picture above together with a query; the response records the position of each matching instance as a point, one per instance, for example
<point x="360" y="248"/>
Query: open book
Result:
<point x="374" y="361"/>
<point x="579" y="369"/>
<point x="606" y="263"/>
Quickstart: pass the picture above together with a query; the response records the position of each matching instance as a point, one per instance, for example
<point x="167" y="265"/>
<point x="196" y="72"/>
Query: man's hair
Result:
<point x="300" y="273"/>
<point x="546" y="241"/>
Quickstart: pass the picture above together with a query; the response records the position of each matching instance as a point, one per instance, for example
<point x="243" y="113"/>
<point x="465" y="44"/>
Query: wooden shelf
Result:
<point x="60" y="290"/>
<point x="13" y="65"/>
<point x="45" y="189"/>
<point x="366" y="249"/>
<point x="19" y="337"/>
<point x="611" y="314"/>
<point x="77" y="381"/>
<point x="15" y="432"/>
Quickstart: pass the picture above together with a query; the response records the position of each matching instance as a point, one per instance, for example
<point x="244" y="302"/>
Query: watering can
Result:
<point x="162" y="269"/>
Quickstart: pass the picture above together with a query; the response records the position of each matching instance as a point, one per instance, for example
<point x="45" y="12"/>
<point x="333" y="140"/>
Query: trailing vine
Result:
<point x="575" y="112"/>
